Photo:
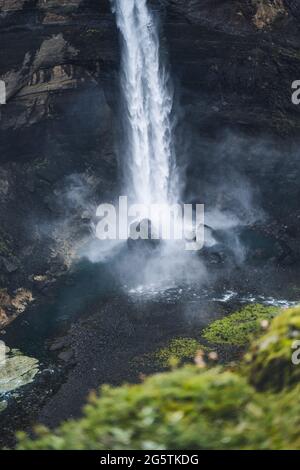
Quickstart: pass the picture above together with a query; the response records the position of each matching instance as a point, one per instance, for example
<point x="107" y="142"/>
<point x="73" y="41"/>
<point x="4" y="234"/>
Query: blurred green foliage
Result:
<point x="269" y="362"/>
<point x="196" y="408"/>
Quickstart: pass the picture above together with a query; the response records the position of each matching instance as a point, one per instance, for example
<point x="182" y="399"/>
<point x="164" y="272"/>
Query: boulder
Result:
<point x="142" y="234"/>
<point x="16" y="371"/>
<point x="3" y="405"/>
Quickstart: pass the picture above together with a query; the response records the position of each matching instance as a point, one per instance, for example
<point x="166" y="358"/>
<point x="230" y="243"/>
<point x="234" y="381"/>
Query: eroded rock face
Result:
<point x="268" y="11"/>
<point x="234" y="64"/>
<point x="57" y="160"/>
<point x="12" y="305"/>
<point x="239" y="57"/>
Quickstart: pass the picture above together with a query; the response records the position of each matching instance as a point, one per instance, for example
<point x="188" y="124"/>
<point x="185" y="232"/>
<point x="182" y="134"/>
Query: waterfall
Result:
<point x="147" y="153"/>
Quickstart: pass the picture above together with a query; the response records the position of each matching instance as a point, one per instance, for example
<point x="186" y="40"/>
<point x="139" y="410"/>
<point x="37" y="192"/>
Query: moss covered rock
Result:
<point x="269" y="364"/>
<point x="241" y="327"/>
<point x="177" y="351"/>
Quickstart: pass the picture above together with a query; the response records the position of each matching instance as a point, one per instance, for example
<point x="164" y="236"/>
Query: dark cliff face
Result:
<point x="233" y="63"/>
<point x="239" y="53"/>
<point x="59" y="63"/>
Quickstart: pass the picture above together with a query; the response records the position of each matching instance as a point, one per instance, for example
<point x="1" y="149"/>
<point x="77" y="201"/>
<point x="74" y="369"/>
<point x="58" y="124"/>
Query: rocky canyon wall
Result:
<point x="232" y="64"/>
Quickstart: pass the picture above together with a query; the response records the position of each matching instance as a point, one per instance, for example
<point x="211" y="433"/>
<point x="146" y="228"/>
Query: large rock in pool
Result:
<point x="16" y="370"/>
<point x="142" y="234"/>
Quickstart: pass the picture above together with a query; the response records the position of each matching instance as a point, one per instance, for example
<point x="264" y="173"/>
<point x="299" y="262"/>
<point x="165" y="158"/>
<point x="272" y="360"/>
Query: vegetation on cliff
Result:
<point x="269" y="363"/>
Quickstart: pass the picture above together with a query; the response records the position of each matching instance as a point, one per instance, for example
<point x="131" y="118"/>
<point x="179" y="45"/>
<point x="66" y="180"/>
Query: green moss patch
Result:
<point x="241" y="327"/>
<point x="177" y="351"/>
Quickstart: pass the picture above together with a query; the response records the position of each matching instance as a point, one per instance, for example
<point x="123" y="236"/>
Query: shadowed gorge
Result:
<point x="165" y="102"/>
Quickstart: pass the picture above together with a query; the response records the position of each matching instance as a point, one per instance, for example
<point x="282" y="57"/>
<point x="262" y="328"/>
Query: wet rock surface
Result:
<point x="16" y="370"/>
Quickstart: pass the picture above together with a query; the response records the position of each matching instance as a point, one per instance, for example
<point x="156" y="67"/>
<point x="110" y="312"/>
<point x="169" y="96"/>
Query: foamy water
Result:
<point x="171" y="293"/>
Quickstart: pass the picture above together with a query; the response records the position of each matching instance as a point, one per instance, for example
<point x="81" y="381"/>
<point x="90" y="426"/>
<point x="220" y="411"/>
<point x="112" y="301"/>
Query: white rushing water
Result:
<point x="149" y="161"/>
